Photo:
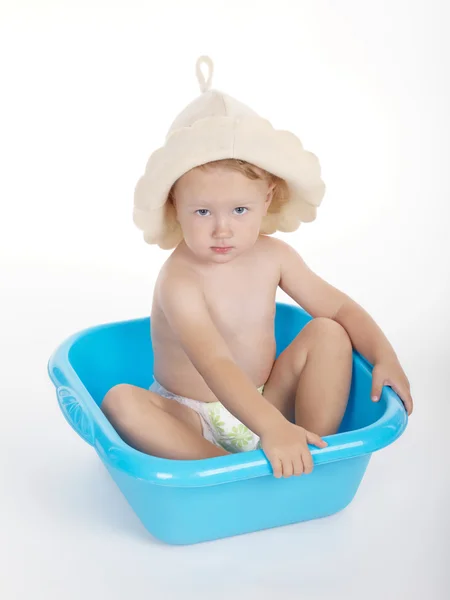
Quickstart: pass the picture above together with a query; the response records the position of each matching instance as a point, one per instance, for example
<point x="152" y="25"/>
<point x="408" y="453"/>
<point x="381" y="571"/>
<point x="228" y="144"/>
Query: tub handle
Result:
<point x="76" y="414"/>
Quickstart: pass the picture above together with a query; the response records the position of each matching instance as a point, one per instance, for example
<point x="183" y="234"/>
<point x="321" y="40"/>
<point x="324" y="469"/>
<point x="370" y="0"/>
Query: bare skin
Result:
<point x="306" y="388"/>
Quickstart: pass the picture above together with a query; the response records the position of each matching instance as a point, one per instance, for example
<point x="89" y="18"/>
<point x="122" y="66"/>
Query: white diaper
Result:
<point x="219" y="426"/>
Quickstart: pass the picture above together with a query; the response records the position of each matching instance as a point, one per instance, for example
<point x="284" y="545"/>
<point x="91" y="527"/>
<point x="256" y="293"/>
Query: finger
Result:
<point x="307" y="461"/>
<point x="315" y="440"/>
<point x="288" y="467"/>
<point x="298" y="464"/>
<point x="377" y="388"/>
<point x="408" y="402"/>
<point x="405" y="397"/>
<point x="277" y="467"/>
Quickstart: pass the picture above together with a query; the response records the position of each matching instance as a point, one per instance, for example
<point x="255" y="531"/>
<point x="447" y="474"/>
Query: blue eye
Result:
<point x="201" y="211"/>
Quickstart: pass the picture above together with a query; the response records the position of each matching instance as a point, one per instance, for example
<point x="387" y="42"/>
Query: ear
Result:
<point x="269" y="196"/>
<point x="172" y="206"/>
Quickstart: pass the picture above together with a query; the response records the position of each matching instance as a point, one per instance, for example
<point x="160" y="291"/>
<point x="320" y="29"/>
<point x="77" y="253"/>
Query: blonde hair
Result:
<point x="280" y="192"/>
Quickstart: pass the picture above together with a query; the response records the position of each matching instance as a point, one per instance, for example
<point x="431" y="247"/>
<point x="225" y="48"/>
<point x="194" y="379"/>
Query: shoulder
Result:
<point x="179" y="288"/>
<point x="176" y="276"/>
<point x="278" y="249"/>
<point x="269" y="241"/>
<point x="177" y="270"/>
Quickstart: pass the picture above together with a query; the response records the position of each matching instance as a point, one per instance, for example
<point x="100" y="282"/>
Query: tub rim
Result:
<point x="85" y="416"/>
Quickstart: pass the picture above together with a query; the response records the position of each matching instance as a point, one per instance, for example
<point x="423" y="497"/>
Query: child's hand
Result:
<point x="389" y="372"/>
<point x="286" y="447"/>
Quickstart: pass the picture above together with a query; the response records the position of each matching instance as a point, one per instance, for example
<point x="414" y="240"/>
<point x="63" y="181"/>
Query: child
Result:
<point x="222" y="183"/>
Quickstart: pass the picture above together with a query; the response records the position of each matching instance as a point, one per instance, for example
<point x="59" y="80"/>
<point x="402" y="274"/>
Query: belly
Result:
<point x="254" y="354"/>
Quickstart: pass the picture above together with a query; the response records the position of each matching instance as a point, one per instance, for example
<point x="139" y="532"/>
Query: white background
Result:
<point x="88" y="90"/>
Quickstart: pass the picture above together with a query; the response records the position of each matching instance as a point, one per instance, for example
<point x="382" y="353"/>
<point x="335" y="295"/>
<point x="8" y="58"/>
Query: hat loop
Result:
<point x="204" y="85"/>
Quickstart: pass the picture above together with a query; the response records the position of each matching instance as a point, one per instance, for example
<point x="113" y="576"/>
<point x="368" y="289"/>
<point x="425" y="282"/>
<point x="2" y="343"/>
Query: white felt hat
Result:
<point x="213" y="127"/>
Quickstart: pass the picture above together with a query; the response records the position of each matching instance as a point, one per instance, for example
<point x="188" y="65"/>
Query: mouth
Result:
<point x="221" y="249"/>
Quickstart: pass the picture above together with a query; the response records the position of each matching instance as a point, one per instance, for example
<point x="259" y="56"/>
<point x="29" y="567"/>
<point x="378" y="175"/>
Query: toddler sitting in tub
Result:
<point x="222" y="183"/>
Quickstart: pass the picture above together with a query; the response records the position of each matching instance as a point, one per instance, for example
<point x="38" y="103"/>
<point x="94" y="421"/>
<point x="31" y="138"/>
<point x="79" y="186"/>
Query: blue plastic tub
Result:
<point x="184" y="502"/>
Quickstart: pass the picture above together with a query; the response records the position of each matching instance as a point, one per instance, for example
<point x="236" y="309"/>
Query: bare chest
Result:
<point x="242" y="303"/>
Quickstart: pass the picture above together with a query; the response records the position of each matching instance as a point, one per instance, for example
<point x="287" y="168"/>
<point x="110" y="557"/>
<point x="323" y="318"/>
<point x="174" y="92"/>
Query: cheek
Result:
<point x="196" y="226"/>
<point x="253" y="220"/>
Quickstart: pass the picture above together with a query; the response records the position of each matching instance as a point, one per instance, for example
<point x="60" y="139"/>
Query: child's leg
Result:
<point x="310" y="380"/>
<point x="156" y="425"/>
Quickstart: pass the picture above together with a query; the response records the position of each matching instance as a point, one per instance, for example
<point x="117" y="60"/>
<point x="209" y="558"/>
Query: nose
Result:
<point x="222" y="230"/>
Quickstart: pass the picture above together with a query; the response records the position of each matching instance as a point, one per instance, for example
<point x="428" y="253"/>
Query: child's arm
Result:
<point x="185" y="308"/>
<point x="320" y="299"/>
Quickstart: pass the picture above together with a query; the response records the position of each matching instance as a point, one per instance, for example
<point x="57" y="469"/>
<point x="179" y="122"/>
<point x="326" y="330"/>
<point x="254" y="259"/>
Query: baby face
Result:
<point x="218" y="208"/>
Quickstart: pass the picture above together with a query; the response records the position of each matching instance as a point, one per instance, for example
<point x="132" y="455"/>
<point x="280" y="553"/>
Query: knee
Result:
<point x="116" y="400"/>
<point x="328" y="331"/>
